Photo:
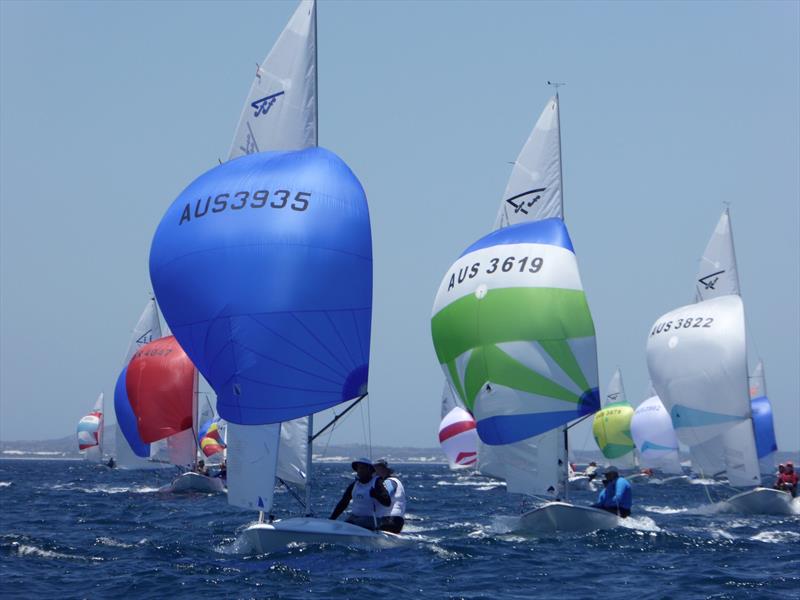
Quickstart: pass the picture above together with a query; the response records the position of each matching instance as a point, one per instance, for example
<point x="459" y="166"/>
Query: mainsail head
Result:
<point x="718" y="274"/>
<point x="697" y="359"/>
<point x="263" y="270"/>
<point x="534" y="189"/>
<point x="513" y="333"/>
<point x="280" y="112"/>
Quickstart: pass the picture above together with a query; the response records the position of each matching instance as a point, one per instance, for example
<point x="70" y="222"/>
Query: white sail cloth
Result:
<point x="616" y="390"/>
<point x="654" y="436"/>
<point x="534" y="190"/>
<point x="534" y="467"/>
<point x="698" y="365"/>
<point x="717" y="274"/>
<point x="458" y="438"/>
<point x="280" y="112"/>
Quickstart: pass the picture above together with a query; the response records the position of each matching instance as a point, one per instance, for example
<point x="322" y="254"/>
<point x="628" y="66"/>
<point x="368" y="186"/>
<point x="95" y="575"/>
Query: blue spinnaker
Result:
<point x="763" y="426"/>
<point x="263" y="271"/>
<point x="126" y="419"/>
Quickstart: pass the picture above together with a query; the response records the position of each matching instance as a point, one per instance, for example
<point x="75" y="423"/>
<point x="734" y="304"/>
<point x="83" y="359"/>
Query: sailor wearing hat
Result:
<point x="367" y="494"/>
<point x="616" y="496"/>
<point x="391" y="518"/>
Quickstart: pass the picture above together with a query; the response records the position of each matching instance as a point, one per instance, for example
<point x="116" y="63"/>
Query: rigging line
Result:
<point x="292" y="492"/>
<point x="369" y="425"/>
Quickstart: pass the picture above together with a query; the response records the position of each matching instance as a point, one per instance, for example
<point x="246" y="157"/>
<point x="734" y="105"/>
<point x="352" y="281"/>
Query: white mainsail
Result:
<point x="534" y="190"/>
<point x="536" y="466"/>
<point x="252" y="461"/>
<point x="280" y="112"/>
<point x="718" y="274"/>
<point x="654" y="436"/>
<point x="616" y="389"/>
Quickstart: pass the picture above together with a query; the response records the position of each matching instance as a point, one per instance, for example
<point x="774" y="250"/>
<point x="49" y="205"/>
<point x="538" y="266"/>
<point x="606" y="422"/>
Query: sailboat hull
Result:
<point x="580" y="482"/>
<point x="561" y="517"/>
<point x="195" y="483"/>
<point x="760" y="501"/>
<point x="267" y="538"/>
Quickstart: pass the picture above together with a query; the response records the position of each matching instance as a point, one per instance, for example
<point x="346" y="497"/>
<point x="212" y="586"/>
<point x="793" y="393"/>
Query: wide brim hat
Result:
<point x="382" y="462"/>
<point x="362" y="461"/>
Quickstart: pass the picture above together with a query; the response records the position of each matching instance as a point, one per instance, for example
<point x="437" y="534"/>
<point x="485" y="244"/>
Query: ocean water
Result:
<point x="74" y="530"/>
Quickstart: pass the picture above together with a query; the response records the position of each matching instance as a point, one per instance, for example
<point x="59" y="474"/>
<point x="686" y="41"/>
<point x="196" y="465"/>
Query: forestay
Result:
<point x="654" y="436"/>
<point x="534" y="190"/>
<point x="280" y="112"/>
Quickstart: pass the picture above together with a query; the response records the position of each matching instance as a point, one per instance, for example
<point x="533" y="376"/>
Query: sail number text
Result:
<point x="686" y="323"/>
<point x="239" y="200"/>
<point x="496" y="265"/>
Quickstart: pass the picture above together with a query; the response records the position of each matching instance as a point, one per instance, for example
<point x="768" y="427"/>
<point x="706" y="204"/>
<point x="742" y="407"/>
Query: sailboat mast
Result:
<point x="560" y="162"/>
<point x="564" y="474"/>
<point x="310" y="432"/>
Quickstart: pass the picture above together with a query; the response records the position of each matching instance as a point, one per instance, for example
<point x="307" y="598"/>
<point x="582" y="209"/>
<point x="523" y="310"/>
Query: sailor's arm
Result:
<point x="342" y="505"/>
<point x="380" y="494"/>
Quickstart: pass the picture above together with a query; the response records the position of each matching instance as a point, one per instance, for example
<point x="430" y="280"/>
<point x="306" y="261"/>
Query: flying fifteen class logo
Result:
<point x="522" y="205"/>
<point x="613" y="397"/>
<point x="709" y="281"/>
<point x="262" y="105"/>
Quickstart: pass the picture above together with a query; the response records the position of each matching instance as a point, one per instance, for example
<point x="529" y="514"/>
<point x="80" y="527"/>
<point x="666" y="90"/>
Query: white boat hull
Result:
<point x="580" y="482"/>
<point x="760" y="501"/>
<point x="566" y="518"/>
<point x="195" y="483"/>
<point x="266" y="538"/>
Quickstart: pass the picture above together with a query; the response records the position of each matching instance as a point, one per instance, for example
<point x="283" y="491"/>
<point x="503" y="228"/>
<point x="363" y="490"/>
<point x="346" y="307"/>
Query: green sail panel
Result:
<point x="513" y="333"/>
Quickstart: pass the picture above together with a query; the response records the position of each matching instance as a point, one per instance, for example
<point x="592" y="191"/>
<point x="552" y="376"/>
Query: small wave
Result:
<point x="702" y="481"/>
<point x="641" y="524"/>
<point x="776" y="537"/>
<point x="663" y="510"/>
<point x="5" y="484"/>
<point x="111" y="542"/>
<point x="25" y="453"/>
<point x="106" y="489"/>
<point x="476" y="484"/>
<point x="31" y="550"/>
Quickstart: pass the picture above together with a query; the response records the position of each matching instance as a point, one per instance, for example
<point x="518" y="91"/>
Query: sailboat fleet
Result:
<point x="283" y="339"/>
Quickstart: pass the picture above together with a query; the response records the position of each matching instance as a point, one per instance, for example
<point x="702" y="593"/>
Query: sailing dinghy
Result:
<point x="90" y="432"/>
<point x="270" y="291"/>
<point x="514" y="336"/>
<point x="697" y="358"/>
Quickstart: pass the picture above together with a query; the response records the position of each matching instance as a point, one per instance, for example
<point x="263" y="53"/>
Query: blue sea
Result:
<point x="76" y="530"/>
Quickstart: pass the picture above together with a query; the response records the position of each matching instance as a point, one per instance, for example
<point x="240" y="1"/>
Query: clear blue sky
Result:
<point x="107" y="110"/>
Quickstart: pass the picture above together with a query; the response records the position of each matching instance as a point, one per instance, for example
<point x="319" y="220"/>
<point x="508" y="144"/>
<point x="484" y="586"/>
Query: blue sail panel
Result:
<point x="763" y="426"/>
<point x="126" y="419"/>
<point x="263" y="270"/>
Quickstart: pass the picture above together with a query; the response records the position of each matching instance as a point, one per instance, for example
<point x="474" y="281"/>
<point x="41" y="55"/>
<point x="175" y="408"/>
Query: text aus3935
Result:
<point x="297" y="201"/>
<point x="496" y="265"/>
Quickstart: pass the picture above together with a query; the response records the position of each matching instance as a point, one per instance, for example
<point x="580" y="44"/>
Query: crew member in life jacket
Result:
<point x="616" y="496"/>
<point x="787" y="480"/>
<point x="391" y="518"/>
<point x="367" y="494"/>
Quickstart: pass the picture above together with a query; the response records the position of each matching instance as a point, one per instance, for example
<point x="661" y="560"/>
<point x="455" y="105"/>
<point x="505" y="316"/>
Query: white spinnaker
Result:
<point x="280" y="112"/>
<point x="292" y="451"/>
<point x="616" y="389"/>
<point x="459" y="439"/>
<point x="534" y="467"/>
<point x="700" y="371"/>
<point x="252" y="450"/>
<point x="654" y="436"/>
<point x="717" y="274"/>
<point x="534" y="190"/>
<point x="741" y="457"/>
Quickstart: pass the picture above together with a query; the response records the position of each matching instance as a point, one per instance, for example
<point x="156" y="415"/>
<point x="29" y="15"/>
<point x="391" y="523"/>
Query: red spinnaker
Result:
<point x="160" y="386"/>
